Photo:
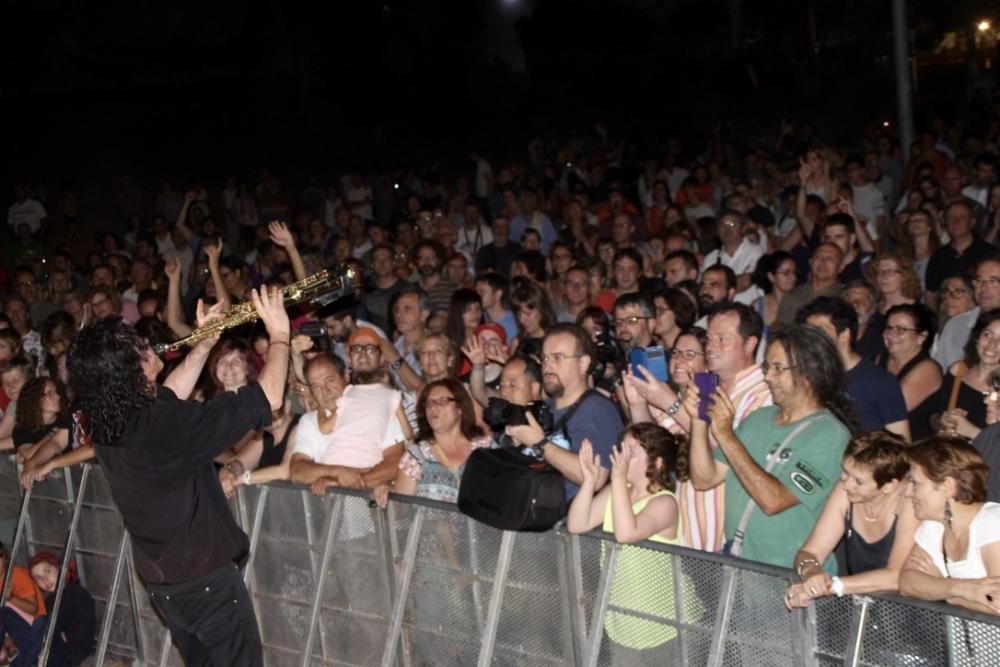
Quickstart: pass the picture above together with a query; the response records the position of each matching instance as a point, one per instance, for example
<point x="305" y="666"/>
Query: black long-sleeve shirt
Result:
<point x="165" y="485"/>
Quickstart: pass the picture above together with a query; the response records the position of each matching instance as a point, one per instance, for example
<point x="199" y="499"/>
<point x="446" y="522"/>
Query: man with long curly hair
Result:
<point x="156" y="449"/>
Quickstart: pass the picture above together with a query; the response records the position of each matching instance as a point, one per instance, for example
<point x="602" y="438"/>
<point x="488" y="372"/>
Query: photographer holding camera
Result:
<point x="520" y="393"/>
<point x="578" y="412"/>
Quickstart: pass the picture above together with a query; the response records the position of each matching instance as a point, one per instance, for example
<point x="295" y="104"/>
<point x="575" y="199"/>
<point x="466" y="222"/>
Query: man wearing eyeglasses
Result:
<point x="738" y="253"/>
<point x="635" y="319"/>
<point x="949" y="345"/>
<point x="355" y="437"/>
<point x="963" y="252"/>
<point x="567" y="354"/>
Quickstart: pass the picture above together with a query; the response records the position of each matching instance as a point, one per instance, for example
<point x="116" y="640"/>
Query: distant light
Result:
<point x="984" y="25"/>
<point x="885" y="123"/>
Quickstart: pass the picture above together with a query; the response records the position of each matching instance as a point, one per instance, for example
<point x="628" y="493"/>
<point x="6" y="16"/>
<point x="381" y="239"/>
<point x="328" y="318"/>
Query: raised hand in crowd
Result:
<point x="590" y="466"/>
<point x="282" y="237"/>
<point x="475" y="351"/>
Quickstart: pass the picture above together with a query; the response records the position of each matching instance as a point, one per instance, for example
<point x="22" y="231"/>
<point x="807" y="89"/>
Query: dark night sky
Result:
<point x="375" y="82"/>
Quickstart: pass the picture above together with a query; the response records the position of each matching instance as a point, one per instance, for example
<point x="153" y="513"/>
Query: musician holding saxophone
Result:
<point x="156" y="450"/>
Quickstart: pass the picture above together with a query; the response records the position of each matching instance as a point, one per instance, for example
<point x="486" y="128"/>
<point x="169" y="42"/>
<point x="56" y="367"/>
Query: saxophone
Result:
<point x="322" y="288"/>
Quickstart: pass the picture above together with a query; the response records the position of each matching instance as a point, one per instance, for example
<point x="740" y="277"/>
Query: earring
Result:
<point x="947" y="513"/>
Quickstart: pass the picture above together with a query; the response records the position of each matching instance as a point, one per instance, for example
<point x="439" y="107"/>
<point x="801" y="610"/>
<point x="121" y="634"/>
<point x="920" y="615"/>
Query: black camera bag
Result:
<point x="507" y="489"/>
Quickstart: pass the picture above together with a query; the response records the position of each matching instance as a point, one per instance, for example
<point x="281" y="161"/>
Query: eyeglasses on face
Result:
<point x="364" y="349"/>
<point x="631" y="320"/>
<point x="992" y="281"/>
<point x="899" y="330"/>
<point x="689" y="355"/>
<point x="767" y="368"/>
<point x="954" y="293"/>
<point x="440" y="401"/>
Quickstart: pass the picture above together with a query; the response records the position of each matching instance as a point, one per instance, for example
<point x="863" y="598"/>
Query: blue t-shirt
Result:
<point x="877" y="396"/>
<point x="598" y="420"/>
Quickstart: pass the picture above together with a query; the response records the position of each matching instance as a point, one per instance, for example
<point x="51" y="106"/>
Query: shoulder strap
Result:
<point x="960" y="370"/>
<point x="570" y="411"/>
<point x="737" y="544"/>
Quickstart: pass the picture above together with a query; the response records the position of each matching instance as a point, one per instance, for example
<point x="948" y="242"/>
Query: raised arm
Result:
<point x="704" y="471"/>
<point x="281" y="236"/>
<point x="272" y="378"/>
<point x="175" y="311"/>
<point x="214" y="252"/>
<point x="184" y="377"/>
<point x="770" y="494"/>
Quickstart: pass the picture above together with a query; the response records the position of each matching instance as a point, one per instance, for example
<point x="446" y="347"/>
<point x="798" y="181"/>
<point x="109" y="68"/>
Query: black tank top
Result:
<point x="274" y="452"/>
<point x="862" y="556"/>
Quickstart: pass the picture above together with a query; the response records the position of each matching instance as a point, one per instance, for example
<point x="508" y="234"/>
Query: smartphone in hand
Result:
<point x="707" y="383"/>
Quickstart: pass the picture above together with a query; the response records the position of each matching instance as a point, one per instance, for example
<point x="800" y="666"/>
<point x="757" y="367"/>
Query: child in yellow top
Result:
<point x="637" y="505"/>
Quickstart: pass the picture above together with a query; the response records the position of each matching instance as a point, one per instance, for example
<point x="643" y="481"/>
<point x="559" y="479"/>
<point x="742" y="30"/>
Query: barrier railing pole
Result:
<point x="676" y="565"/>
<point x="112" y="605"/>
<point x="477" y="590"/>
<point x="165" y="648"/>
<point x="570" y="578"/>
<point x="386" y="577"/>
<point x="258" y="518"/>
<point x="804" y="636"/>
<point x="409" y="562"/>
<point x="727" y="590"/>
<point x="488" y="642"/>
<point x="53" y="613"/>
<point x="331" y="533"/>
<point x="601" y="604"/>
<point x="133" y="596"/>
<point x="859" y="616"/>
<point x="22" y="517"/>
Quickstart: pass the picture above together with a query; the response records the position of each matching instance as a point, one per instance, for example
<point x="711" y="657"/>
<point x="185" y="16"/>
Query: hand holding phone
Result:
<point x="707" y="383"/>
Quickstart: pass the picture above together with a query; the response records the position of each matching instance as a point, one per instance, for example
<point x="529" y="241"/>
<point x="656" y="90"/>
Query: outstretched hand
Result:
<point x="590" y="464"/>
<point x="280" y="234"/>
<point x="270" y="306"/>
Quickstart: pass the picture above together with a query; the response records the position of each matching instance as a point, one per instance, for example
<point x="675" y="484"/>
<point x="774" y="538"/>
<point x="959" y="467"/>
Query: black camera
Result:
<point x="608" y="353"/>
<point x="500" y="413"/>
<point x="319" y="334"/>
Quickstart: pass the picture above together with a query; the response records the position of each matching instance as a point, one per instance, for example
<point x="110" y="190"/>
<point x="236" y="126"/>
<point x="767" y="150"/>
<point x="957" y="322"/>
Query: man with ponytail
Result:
<point x="782" y="461"/>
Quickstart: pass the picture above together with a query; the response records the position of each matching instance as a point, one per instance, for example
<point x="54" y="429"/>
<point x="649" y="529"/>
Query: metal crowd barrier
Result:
<point x="335" y="581"/>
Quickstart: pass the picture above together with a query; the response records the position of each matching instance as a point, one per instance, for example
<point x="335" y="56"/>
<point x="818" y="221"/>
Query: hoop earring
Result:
<point x="947" y="513"/>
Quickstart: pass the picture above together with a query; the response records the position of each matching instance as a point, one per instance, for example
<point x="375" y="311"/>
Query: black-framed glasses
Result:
<point x="440" y="401"/>
<point x="689" y="355"/>
<point x="992" y="281"/>
<point x="364" y="349"/>
<point x="767" y="368"/>
<point x="631" y="320"/>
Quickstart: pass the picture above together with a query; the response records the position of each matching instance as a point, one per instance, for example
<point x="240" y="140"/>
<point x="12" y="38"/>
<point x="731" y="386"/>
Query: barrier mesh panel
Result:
<point x="834" y="630"/>
<point x="448" y="597"/>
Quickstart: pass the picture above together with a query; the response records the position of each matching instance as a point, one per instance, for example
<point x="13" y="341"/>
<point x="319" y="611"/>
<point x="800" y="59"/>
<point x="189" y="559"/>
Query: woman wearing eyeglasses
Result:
<point x="907" y="337"/>
<point x="895" y="279"/>
<point x="448" y="433"/>
<point x="959" y="405"/>
<point x="957" y="296"/>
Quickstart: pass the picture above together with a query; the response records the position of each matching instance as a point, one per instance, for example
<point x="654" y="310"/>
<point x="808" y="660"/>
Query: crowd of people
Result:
<point x="830" y="316"/>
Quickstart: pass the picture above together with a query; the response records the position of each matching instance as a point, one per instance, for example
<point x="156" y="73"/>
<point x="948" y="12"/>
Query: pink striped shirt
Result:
<point x="703" y="511"/>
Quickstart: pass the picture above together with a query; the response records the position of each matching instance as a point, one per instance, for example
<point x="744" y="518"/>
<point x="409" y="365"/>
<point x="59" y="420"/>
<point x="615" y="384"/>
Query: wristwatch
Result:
<point x="247" y="481"/>
<point x="837" y="586"/>
<point x="395" y="365"/>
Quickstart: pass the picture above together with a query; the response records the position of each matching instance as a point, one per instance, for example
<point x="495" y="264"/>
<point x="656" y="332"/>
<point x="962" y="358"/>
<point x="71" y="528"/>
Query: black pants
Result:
<point x="211" y="619"/>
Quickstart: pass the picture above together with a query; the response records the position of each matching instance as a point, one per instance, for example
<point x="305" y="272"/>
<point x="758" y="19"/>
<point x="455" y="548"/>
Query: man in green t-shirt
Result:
<point x="780" y="465"/>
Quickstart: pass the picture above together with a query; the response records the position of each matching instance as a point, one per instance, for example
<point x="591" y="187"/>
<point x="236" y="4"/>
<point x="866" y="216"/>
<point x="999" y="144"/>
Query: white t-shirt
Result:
<point x="984" y="529"/>
<point x="366" y="425"/>
<point x="29" y="212"/>
<point x="355" y="195"/>
<point x="484" y="174"/>
<point x="744" y="260"/>
<point x="869" y="203"/>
